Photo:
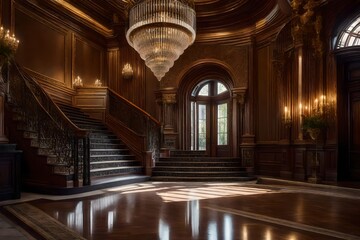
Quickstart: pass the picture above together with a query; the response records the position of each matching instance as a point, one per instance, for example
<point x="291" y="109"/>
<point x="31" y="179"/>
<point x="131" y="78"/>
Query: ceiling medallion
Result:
<point x="160" y="31"/>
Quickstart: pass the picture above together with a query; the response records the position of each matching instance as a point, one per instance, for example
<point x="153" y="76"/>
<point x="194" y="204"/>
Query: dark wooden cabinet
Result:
<point x="10" y="173"/>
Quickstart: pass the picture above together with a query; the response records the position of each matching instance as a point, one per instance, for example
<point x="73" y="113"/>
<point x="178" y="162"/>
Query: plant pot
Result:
<point x="314" y="133"/>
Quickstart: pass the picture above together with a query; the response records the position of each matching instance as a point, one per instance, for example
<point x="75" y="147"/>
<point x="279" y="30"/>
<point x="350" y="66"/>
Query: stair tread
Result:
<point x="107" y="149"/>
<point x="176" y="172"/>
<point x="115" y="161"/>
<point x="202" y="178"/>
<point x="198" y="163"/>
<point x="113" y="155"/>
<point x="197" y="167"/>
<point x="113" y="168"/>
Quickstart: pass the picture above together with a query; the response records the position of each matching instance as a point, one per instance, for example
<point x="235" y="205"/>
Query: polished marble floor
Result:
<point x="247" y="211"/>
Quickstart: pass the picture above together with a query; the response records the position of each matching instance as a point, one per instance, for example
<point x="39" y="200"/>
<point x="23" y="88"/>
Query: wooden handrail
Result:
<point x="79" y="132"/>
<point x="135" y="107"/>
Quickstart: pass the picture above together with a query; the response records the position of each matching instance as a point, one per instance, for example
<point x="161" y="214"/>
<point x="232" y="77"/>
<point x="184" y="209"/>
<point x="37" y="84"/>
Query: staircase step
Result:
<point x="116" y="170"/>
<point x="106" y="146"/>
<point x="97" y="135"/>
<point x="108" y="155"/>
<point x="92" y="127"/>
<point x="28" y="134"/>
<point x="82" y="119"/>
<point x="95" y="158"/>
<point x="109" y="151"/>
<point x="200" y="159"/>
<point x="114" y="164"/>
<point x="199" y="169"/>
<point x="200" y="179"/>
<point x="201" y="174"/>
<point x="197" y="164"/>
<point x="180" y="153"/>
<point x="94" y="139"/>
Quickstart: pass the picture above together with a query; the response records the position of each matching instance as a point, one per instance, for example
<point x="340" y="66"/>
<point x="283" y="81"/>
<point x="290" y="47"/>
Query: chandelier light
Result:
<point x="160" y="31"/>
<point x="8" y="45"/>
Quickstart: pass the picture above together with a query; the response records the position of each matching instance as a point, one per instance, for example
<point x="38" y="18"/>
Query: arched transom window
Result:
<point x="350" y="35"/>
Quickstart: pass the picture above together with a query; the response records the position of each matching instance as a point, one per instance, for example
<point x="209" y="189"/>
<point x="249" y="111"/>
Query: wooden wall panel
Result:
<point x="268" y="160"/>
<point x="330" y="164"/>
<point x="88" y="61"/>
<point x="267" y="117"/>
<point x="42" y="47"/>
<point x="300" y="169"/>
<point x="134" y="89"/>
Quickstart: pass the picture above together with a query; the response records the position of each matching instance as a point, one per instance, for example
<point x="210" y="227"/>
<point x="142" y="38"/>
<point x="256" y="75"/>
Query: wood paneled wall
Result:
<point x="279" y="82"/>
<point x="56" y="48"/>
<point x="55" y="51"/>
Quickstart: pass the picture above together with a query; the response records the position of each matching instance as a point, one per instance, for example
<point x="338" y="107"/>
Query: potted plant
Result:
<point x="320" y="118"/>
<point x="314" y="124"/>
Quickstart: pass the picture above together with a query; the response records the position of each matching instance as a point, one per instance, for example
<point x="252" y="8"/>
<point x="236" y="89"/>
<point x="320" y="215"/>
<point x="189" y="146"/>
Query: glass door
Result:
<point x="210" y="119"/>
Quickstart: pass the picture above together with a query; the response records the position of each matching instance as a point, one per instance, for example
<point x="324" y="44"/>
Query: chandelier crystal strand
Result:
<point x="160" y="31"/>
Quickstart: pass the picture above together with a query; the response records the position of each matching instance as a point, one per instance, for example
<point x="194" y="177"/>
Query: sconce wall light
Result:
<point x="127" y="71"/>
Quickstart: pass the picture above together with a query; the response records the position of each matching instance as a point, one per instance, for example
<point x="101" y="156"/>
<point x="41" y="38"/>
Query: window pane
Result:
<point x="221" y="88"/>
<point x="222" y="126"/>
<point x="202" y="127"/>
<point x="350" y="35"/>
<point x="204" y="90"/>
<point x="192" y="120"/>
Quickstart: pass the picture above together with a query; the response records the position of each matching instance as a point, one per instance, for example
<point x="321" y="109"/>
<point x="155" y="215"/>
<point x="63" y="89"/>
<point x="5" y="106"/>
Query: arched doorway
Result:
<point x="207" y="88"/>
<point x="210" y="116"/>
<point x="347" y="49"/>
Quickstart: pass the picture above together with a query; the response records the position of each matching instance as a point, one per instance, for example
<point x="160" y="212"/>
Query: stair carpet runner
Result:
<point x="196" y="166"/>
<point x="109" y="157"/>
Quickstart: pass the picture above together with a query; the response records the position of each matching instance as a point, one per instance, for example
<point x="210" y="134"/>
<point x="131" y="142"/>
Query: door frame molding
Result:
<point x="199" y="72"/>
<point x="345" y="57"/>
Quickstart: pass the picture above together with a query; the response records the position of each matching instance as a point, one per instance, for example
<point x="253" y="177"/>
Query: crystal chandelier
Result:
<point x="160" y="31"/>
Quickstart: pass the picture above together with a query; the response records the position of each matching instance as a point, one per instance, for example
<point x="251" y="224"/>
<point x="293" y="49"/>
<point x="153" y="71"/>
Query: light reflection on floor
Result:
<point x="182" y="193"/>
<point x="197" y="211"/>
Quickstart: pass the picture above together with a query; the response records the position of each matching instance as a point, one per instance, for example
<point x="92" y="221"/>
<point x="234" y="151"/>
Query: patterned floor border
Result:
<point x="41" y="223"/>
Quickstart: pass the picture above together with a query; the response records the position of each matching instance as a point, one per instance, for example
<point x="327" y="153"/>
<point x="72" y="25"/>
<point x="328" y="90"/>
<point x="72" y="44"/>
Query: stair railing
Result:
<point x="54" y="130"/>
<point x="137" y="122"/>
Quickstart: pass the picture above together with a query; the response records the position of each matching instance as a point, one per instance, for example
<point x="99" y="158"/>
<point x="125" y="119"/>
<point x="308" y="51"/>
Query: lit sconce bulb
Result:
<point x="127" y="71"/>
<point x="78" y="82"/>
<point x="98" y="83"/>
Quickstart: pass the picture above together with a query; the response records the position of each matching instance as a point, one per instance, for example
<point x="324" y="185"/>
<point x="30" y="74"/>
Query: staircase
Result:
<point x="196" y="166"/>
<point x="109" y="157"/>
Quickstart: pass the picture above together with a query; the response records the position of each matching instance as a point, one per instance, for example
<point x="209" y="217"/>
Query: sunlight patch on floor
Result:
<point x="188" y="194"/>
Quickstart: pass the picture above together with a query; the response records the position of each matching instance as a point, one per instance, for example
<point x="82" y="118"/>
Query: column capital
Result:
<point x="169" y="98"/>
<point x="239" y="94"/>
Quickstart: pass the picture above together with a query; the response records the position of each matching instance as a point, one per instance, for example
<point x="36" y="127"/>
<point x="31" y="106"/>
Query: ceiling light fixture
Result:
<point x="160" y="31"/>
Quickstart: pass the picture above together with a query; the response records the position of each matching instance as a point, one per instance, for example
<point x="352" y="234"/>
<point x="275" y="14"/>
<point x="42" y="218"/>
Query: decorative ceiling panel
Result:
<point x="224" y="21"/>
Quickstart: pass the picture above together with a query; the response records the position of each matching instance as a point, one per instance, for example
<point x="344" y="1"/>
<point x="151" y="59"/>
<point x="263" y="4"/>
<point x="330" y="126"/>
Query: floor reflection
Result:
<point x="194" y="211"/>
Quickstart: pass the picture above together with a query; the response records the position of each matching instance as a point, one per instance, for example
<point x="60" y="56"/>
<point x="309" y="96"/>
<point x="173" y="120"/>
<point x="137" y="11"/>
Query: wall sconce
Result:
<point x="78" y="82"/>
<point x="98" y="83"/>
<point x="127" y="71"/>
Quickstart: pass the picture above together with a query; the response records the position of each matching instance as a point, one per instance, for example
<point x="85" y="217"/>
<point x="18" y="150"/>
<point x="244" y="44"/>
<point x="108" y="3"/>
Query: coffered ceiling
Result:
<point x="225" y="21"/>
